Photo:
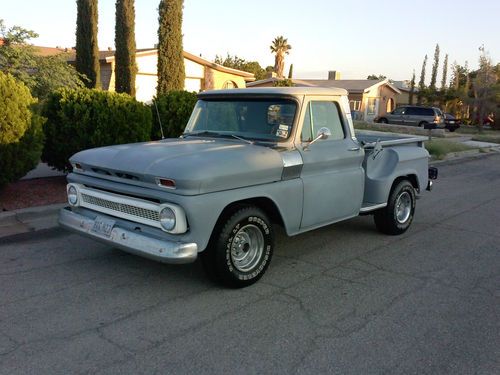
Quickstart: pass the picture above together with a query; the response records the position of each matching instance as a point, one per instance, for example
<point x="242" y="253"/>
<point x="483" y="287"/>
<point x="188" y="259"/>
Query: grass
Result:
<point x="492" y="138"/>
<point x="439" y="148"/>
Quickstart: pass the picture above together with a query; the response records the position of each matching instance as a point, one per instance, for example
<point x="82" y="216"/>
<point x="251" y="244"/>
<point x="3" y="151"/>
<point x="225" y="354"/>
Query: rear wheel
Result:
<point x="241" y="248"/>
<point x="397" y="216"/>
<point x="422" y="124"/>
<point x="383" y="121"/>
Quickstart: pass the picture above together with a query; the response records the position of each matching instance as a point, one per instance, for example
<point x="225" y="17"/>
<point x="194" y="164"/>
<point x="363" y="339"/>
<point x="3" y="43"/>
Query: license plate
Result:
<point x="103" y="226"/>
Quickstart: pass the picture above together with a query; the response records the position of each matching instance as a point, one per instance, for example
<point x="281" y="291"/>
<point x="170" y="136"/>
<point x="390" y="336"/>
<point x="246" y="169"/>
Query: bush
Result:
<point x="174" y="108"/>
<point x="15" y="113"/>
<point x="18" y="158"/>
<point x="79" y="119"/>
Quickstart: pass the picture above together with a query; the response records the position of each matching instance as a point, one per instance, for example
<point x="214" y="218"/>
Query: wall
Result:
<point x="218" y="79"/>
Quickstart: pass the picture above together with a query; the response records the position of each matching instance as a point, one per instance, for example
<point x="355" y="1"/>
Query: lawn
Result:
<point x="439" y="148"/>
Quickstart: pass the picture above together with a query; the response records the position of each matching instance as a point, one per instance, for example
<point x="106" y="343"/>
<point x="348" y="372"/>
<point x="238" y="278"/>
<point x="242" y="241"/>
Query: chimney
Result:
<point x="333" y="75"/>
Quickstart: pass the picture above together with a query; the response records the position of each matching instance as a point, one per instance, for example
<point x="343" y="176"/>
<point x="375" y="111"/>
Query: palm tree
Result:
<point x="280" y="47"/>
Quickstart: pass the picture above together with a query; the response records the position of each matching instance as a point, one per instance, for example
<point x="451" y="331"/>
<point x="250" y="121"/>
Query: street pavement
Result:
<point x="339" y="300"/>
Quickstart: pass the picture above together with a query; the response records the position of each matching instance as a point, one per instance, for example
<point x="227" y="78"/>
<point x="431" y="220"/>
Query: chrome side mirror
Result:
<point x="323" y="133"/>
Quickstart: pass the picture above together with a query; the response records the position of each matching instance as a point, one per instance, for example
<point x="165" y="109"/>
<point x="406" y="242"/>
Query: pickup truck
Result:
<point x="249" y="159"/>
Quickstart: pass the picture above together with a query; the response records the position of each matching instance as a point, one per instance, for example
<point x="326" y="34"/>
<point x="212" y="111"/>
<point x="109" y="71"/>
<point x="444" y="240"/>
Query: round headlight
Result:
<point x="167" y="218"/>
<point x="72" y="196"/>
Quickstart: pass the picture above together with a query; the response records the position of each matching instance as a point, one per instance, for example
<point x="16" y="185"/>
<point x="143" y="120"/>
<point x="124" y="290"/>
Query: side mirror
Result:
<point x="323" y="133"/>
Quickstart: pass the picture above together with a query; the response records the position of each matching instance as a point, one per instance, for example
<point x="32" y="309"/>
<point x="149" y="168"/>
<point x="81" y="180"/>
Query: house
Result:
<point x="201" y="74"/>
<point x="405" y="87"/>
<point x="367" y="98"/>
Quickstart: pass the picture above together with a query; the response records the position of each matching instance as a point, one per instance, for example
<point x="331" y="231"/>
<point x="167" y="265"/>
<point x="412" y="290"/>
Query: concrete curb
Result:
<point x="29" y="219"/>
<point x="455" y="157"/>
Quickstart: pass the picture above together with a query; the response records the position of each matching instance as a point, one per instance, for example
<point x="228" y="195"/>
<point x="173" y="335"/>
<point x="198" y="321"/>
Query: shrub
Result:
<point x="15" y="113"/>
<point x="86" y="118"/>
<point x="174" y="109"/>
<point x="19" y="157"/>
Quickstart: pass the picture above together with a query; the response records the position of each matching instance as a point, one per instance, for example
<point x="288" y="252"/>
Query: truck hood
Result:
<point x="196" y="165"/>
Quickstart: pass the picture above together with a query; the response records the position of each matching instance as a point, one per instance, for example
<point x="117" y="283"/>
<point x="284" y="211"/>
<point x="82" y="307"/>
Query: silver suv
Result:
<point x="413" y="116"/>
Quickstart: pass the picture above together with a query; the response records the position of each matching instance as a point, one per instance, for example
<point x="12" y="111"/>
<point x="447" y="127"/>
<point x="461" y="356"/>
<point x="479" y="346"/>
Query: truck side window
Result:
<point x="321" y="114"/>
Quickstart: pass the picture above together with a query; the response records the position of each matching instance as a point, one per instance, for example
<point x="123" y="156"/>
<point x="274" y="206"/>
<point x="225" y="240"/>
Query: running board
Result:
<point x="372" y="207"/>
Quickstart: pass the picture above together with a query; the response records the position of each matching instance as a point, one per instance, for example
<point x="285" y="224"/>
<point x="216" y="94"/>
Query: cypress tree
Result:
<point x="445" y="72"/>
<point x="435" y="66"/>
<point x="125" y="68"/>
<point x="87" y="52"/>
<point x="290" y="72"/>
<point x="421" y="83"/>
<point x="412" y="88"/>
<point x="171" y="74"/>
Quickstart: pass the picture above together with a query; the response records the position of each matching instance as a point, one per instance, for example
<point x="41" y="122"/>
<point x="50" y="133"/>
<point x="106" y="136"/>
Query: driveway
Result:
<point x="339" y="300"/>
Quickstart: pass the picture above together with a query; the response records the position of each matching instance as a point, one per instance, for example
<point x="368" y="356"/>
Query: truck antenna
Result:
<point x="159" y="119"/>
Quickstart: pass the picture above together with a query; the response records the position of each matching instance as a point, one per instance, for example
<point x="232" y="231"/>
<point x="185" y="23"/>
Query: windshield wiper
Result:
<point x="215" y="134"/>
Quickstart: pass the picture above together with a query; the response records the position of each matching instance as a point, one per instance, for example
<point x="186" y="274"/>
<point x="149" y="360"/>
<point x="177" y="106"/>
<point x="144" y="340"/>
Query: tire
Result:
<point x="383" y="121"/>
<point x="397" y="216"/>
<point x="422" y="124"/>
<point x="240" y="249"/>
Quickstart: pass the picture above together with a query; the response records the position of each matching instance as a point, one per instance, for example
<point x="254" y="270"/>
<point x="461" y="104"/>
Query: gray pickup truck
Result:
<point x="249" y="159"/>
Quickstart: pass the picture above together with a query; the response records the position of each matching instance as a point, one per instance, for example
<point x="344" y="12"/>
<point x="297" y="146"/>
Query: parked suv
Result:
<point x="413" y="116"/>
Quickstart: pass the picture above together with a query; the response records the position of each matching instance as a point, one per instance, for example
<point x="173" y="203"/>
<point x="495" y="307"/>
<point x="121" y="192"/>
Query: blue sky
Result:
<point x="354" y="37"/>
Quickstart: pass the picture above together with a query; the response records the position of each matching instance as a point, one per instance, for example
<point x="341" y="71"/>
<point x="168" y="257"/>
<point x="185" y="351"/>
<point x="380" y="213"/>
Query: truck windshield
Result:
<point x="260" y="119"/>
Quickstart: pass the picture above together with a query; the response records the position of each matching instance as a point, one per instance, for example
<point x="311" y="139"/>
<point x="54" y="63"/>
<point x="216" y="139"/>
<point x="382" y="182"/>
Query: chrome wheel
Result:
<point x="403" y="207"/>
<point x="247" y="248"/>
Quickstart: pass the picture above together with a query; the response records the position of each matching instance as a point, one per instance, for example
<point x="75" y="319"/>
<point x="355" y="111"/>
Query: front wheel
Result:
<point x="241" y="249"/>
<point x="383" y="121"/>
<point x="397" y="216"/>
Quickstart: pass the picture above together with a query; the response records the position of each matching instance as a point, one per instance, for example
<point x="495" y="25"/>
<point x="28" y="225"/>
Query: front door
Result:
<point x="332" y="174"/>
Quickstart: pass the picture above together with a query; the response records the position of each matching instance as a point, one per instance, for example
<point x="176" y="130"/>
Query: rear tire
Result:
<point x="397" y="216"/>
<point x="422" y="124"/>
<point x="383" y="121"/>
<point x="240" y="249"/>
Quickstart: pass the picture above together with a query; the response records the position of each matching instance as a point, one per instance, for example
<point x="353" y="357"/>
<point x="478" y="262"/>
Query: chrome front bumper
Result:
<point x="165" y="251"/>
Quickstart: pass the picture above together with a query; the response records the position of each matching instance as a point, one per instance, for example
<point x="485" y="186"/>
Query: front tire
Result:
<point x="397" y="216"/>
<point x="383" y="120"/>
<point x="241" y="248"/>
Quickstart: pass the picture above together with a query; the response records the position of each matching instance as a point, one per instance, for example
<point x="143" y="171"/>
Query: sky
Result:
<point x="355" y="38"/>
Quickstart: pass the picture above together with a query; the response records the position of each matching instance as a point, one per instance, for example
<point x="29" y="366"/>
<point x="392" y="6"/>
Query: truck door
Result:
<point x="332" y="173"/>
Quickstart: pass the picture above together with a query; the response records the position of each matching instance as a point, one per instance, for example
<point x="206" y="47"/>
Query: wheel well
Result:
<point x="411" y="177"/>
<point x="265" y="204"/>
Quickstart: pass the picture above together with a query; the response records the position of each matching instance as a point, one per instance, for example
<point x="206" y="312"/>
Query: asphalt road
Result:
<point x="340" y="300"/>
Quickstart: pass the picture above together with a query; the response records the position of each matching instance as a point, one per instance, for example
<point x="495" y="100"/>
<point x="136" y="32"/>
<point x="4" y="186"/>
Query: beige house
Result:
<point x="368" y="98"/>
<point x="201" y="74"/>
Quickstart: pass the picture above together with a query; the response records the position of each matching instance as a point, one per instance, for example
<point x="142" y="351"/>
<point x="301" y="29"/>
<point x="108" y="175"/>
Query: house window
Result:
<point x="229" y="85"/>
<point x="371" y="106"/>
<point x="355" y="105"/>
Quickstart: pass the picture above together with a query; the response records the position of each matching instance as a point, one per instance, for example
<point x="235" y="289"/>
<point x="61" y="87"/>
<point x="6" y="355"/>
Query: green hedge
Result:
<point x="174" y="109"/>
<point x="79" y="119"/>
<point x="15" y="113"/>
<point x="18" y="158"/>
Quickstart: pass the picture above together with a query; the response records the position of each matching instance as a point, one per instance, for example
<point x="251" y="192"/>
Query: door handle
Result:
<point x="353" y="149"/>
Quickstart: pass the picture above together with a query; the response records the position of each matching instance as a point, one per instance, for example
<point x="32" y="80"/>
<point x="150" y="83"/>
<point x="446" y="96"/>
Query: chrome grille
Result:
<point x="121" y="207"/>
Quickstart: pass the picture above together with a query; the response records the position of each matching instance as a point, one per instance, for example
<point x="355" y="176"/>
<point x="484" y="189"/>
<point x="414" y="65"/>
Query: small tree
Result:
<point x="15" y="113"/>
<point x="435" y="66"/>
<point x="484" y="87"/>
<point x="445" y="73"/>
<point x="171" y="71"/>
<point x="378" y="77"/>
<point x="412" y="88"/>
<point x="239" y="63"/>
<point x="87" y="51"/>
<point x="421" y="83"/>
<point x="280" y="48"/>
<point x="290" y="72"/>
<point x="125" y="66"/>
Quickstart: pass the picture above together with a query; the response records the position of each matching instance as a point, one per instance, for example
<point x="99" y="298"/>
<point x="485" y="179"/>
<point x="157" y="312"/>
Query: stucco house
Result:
<point x="201" y="74"/>
<point x="405" y="87"/>
<point x="368" y="98"/>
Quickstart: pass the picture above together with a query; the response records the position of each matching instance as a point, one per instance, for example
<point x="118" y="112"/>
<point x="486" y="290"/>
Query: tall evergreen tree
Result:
<point x="125" y="68"/>
<point x="445" y="73"/>
<point x="171" y="73"/>
<point x="435" y="66"/>
<point x="421" y="83"/>
<point x="290" y="72"/>
<point x="412" y="88"/>
<point x="87" y="51"/>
